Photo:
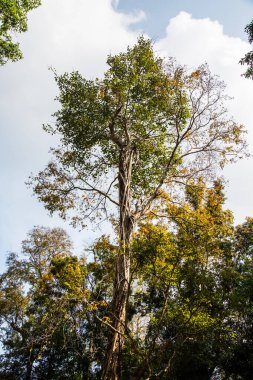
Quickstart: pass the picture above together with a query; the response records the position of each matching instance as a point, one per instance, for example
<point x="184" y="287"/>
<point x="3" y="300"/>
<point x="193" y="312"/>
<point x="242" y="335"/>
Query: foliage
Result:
<point x="42" y="298"/>
<point x="172" y="125"/>
<point x="183" y="270"/>
<point x="13" y="19"/>
<point x="248" y="58"/>
<point x="54" y="315"/>
<point x="238" y="363"/>
<point x="190" y="308"/>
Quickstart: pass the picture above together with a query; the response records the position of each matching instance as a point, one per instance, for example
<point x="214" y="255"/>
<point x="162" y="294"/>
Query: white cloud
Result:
<point x="195" y="41"/>
<point x="77" y="34"/>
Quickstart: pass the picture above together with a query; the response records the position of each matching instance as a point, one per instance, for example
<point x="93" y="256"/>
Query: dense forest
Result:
<point x="168" y="295"/>
<point x="189" y="312"/>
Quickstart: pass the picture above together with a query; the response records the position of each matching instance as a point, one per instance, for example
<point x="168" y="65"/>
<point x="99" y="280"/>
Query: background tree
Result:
<point x="238" y="361"/>
<point x="248" y="58"/>
<point x="42" y="308"/>
<point x="53" y="309"/>
<point x="13" y="19"/>
<point x="148" y="125"/>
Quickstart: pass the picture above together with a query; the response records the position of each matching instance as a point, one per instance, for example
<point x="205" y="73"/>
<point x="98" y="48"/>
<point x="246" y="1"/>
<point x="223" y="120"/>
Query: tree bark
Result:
<point x="112" y="365"/>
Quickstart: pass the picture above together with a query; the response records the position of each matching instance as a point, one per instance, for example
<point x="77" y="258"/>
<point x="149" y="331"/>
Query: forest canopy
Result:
<point x="189" y="311"/>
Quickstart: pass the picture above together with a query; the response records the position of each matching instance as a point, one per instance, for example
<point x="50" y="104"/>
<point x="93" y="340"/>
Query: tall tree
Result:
<point x="13" y="19"/>
<point x="148" y="125"/>
<point x="248" y="58"/>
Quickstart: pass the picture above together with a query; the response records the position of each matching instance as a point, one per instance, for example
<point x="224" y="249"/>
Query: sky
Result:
<point x="78" y="35"/>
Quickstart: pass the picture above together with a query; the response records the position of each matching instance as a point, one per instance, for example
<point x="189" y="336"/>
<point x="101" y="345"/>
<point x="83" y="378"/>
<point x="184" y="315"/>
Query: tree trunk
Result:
<point x="29" y="367"/>
<point x="112" y="365"/>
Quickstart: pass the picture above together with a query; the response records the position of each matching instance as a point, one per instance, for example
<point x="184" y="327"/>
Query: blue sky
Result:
<point x="232" y="14"/>
<point x="79" y="34"/>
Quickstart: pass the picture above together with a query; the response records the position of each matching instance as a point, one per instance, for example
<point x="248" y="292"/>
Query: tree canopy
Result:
<point x="189" y="313"/>
<point x="173" y="122"/>
<point x="248" y="58"/>
<point x="13" y="19"/>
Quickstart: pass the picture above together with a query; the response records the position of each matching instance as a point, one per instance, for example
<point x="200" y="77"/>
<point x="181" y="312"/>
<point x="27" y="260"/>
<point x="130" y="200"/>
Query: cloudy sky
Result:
<point x="79" y="34"/>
